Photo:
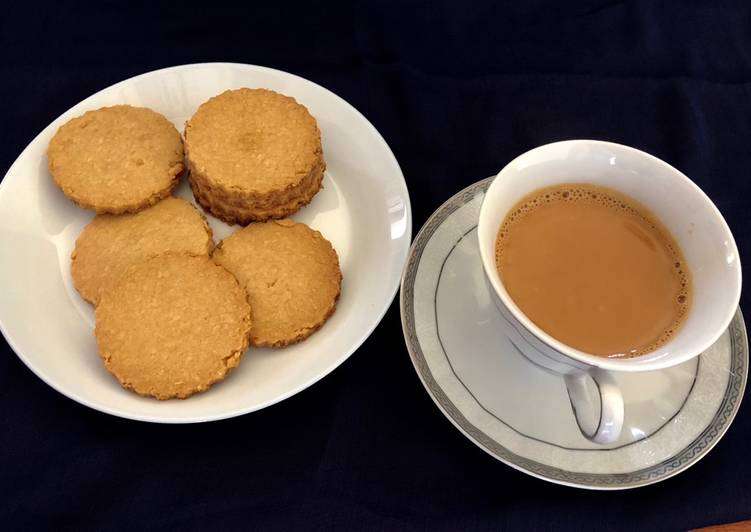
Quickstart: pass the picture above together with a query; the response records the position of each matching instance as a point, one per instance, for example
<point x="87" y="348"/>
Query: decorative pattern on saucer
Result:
<point x="481" y="381"/>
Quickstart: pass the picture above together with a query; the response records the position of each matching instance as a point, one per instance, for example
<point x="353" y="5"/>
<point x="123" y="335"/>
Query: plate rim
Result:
<point x="697" y="449"/>
<point x="379" y="315"/>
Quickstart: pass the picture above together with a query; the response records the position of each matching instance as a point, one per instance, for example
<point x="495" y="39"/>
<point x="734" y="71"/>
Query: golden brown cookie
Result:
<point x="253" y="154"/>
<point x="112" y="243"/>
<point x="116" y="159"/>
<point x="291" y="274"/>
<point x="172" y="326"/>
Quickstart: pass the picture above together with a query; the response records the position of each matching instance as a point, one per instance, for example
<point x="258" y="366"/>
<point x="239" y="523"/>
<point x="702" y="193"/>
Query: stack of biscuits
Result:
<point x="175" y="313"/>
<point x="253" y="155"/>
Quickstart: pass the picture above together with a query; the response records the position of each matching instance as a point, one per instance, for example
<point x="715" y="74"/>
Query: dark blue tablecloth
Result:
<point x="457" y="89"/>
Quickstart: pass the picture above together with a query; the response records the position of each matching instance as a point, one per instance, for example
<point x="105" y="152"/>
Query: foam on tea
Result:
<point x="594" y="269"/>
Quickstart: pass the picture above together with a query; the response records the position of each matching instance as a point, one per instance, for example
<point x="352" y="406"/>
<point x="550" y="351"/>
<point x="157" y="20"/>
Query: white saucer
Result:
<point x="363" y="210"/>
<point x="520" y="413"/>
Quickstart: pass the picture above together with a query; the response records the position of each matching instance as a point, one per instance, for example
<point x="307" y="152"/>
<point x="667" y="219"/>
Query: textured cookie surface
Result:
<point x="116" y="159"/>
<point x="242" y="208"/>
<point x="110" y="244"/>
<point x="172" y="326"/>
<point x="291" y="274"/>
<point x="253" y="154"/>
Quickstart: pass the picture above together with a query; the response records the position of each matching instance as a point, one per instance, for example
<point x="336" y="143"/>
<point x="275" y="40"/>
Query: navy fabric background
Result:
<point x="457" y="89"/>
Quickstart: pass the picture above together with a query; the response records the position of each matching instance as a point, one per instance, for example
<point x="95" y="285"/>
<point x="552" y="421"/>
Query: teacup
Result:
<point x="690" y="216"/>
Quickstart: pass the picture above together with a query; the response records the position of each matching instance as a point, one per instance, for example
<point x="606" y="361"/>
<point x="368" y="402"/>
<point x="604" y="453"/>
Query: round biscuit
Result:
<point x="254" y="154"/>
<point x="110" y="244"/>
<point x="291" y="274"/>
<point x="172" y="326"/>
<point x="116" y="159"/>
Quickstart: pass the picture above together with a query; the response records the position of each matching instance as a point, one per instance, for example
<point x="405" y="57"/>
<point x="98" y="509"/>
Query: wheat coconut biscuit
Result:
<point x="233" y="212"/>
<point x="110" y="244"/>
<point x="253" y="154"/>
<point x="116" y="159"/>
<point x="172" y="326"/>
<point x="291" y="274"/>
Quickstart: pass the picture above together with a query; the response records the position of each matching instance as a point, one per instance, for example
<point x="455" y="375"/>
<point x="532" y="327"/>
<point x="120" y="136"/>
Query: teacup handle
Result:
<point x="606" y="426"/>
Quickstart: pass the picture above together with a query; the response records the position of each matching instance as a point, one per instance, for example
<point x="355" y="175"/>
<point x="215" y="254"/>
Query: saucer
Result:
<point x="520" y="413"/>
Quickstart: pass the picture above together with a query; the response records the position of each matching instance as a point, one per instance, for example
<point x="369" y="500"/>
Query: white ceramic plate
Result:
<point x="364" y="210"/>
<point x="519" y="413"/>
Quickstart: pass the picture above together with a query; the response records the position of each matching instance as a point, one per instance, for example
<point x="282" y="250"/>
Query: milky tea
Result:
<point x="594" y="269"/>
